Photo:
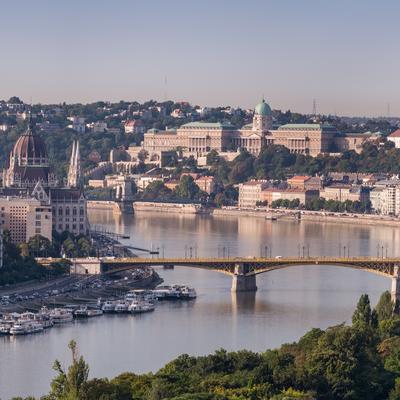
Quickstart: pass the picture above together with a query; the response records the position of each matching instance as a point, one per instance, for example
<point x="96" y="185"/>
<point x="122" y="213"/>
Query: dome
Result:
<point x="30" y="149"/>
<point x="263" y="108"/>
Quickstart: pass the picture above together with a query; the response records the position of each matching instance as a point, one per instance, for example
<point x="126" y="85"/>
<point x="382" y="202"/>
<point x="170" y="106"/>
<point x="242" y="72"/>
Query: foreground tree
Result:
<point x="363" y="316"/>
<point x="69" y="385"/>
<point x="384" y="308"/>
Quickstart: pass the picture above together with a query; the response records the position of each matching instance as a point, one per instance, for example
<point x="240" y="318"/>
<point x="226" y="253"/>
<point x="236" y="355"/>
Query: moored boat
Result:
<point x="61" y="316"/>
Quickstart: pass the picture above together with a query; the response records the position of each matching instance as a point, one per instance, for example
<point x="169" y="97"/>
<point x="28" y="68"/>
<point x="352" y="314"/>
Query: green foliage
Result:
<point x="156" y="190"/>
<point x="39" y="246"/>
<point x="362" y="316"/>
<point x="100" y="193"/>
<point x="187" y="189"/>
<point x="70" y="384"/>
<point x="72" y="245"/>
<point x="20" y="264"/>
<point x="285" y="203"/>
<point x="384" y="308"/>
<point x="317" y="204"/>
<point x="342" y="362"/>
<point x="389" y="327"/>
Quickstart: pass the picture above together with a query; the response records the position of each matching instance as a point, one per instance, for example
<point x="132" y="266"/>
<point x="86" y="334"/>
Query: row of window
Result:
<point x="67" y="211"/>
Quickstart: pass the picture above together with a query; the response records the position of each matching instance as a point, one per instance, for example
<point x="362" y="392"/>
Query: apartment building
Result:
<point x="25" y="218"/>
<point x="250" y="193"/>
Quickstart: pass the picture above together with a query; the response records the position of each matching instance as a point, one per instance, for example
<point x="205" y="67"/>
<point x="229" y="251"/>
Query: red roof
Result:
<point x="299" y="178"/>
<point x="396" y="133"/>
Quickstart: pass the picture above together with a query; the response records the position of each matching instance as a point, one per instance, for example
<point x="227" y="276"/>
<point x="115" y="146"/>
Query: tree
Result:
<point x="384" y="308"/>
<point x="40" y="246"/>
<point x="362" y="314"/>
<point x="212" y="157"/>
<point x="69" y="385"/>
<point x="156" y="190"/>
<point x="142" y="155"/>
<point x="186" y="189"/>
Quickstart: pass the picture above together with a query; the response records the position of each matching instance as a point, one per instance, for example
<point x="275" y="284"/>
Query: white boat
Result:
<point x="61" y="316"/>
<point x="138" y="307"/>
<point x="18" y="329"/>
<point x="108" y="307"/>
<point x="25" y="327"/>
<point x="167" y="292"/>
<point x="5" y="327"/>
<point x="141" y="295"/>
<point x="95" y="312"/>
<point x="81" y="312"/>
<point x="188" y="293"/>
<point x="121" y="306"/>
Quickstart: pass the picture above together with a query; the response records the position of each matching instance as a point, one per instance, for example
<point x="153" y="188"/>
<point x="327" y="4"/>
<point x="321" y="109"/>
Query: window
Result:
<point x="60" y="211"/>
<point x="67" y="211"/>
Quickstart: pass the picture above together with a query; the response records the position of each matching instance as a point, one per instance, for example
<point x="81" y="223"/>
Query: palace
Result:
<point x="199" y="138"/>
<point x="29" y="176"/>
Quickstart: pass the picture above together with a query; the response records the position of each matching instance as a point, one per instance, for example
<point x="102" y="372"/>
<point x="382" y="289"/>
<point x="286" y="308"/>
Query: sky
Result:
<point x="344" y="54"/>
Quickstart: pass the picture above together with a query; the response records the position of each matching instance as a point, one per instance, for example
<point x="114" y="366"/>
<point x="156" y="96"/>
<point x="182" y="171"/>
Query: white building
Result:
<point x="250" y="193"/>
<point x="389" y="196"/>
<point x="395" y="138"/>
<point x="135" y="126"/>
<point x="98" y="126"/>
<point x="78" y="124"/>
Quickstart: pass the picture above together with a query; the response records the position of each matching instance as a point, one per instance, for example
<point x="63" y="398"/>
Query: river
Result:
<point x="287" y="304"/>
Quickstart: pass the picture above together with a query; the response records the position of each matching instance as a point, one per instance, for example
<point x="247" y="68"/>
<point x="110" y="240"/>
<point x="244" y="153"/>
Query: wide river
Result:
<point x="287" y="304"/>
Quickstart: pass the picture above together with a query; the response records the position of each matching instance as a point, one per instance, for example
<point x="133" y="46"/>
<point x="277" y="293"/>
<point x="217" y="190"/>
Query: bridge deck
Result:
<point x="257" y="265"/>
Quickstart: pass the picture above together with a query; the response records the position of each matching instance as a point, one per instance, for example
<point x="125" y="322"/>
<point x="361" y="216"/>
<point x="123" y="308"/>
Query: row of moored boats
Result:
<point x="141" y="301"/>
<point x="134" y="302"/>
<point x="29" y="322"/>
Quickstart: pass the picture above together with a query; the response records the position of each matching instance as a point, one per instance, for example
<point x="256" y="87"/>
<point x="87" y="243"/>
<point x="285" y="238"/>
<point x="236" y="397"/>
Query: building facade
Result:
<point x="29" y="175"/>
<point x="25" y="218"/>
<point x="199" y="138"/>
<point x="250" y="193"/>
<point x="395" y="138"/>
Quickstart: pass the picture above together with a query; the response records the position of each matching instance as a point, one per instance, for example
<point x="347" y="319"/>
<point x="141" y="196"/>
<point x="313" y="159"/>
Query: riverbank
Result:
<point x="317" y="216"/>
<point x="264" y="213"/>
<point x="76" y="290"/>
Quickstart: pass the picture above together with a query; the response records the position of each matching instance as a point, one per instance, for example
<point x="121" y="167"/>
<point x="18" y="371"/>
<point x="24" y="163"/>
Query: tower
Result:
<point x="74" y="172"/>
<point x="262" y="120"/>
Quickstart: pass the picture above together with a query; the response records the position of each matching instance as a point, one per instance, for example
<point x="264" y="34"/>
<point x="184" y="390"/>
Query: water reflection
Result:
<point x="288" y="302"/>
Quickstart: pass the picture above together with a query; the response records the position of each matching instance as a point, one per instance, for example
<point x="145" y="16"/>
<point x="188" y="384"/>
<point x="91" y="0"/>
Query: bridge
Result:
<point x="244" y="270"/>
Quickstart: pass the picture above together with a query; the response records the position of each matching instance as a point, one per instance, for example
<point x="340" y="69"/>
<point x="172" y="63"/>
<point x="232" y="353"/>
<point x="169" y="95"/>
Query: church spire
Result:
<point x="74" y="173"/>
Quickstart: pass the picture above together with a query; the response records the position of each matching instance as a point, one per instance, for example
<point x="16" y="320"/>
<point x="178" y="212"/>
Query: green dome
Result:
<point x="263" y="108"/>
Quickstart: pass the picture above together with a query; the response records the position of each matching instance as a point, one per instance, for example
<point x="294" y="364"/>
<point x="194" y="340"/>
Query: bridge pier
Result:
<point x="242" y="282"/>
<point x="396" y="286"/>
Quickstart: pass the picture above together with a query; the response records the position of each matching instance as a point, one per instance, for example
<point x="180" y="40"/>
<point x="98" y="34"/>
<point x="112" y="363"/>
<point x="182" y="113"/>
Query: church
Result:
<point x="29" y="175"/>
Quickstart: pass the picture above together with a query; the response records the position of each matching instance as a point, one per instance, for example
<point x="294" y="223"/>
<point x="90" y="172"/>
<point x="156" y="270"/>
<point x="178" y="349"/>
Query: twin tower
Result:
<point x="74" y="172"/>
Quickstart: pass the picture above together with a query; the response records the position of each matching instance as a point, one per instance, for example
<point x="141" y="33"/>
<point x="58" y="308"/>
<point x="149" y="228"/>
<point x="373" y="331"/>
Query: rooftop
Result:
<point x="315" y="127"/>
<point x="208" y="125"/>
<point x="394" y="134"/>
<point x="299" y="178"/>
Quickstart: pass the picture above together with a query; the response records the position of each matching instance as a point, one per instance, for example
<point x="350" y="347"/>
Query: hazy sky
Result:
<point x="343" y="53"/>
